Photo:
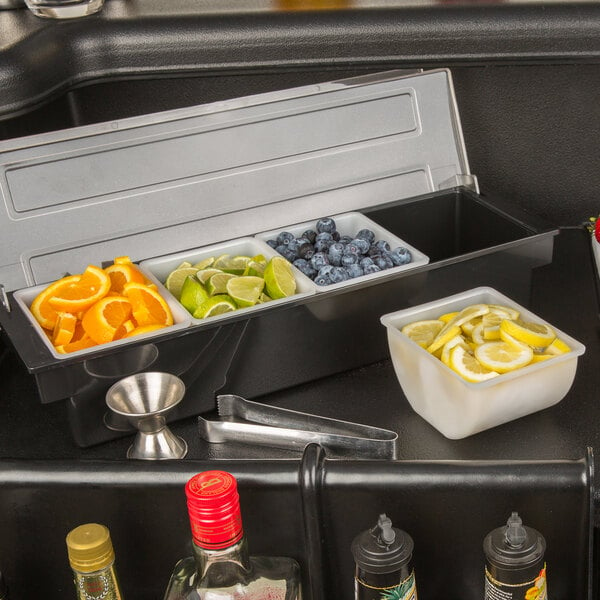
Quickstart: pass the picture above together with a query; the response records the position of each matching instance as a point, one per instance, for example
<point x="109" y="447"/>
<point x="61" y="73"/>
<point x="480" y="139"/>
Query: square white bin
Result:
<point x="456" y="407"/>
<point x="350" y="224"/>
<point x="159" y="268"/>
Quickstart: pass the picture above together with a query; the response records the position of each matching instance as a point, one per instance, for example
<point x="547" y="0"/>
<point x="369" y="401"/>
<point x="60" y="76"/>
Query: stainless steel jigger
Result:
<point x="144" y="399"/>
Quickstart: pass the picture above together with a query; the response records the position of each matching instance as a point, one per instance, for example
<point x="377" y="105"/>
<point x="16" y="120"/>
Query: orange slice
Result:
<point x="144" y="329"/>
<point x="124" y="329"/>
<point x="104" y="318"/>
<point x="64" y="329"/>
<point x="79" y="295"/>
<point x="120" y="274"/>
<point x="148" y="306"/>
<point x="122" y="260"/>
<point x="81" y="344"/>
<point x="44" y="313"/>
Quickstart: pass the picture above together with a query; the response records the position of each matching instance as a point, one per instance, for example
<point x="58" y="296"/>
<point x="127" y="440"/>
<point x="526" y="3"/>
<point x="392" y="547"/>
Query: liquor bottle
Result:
<point x="92" y="559"/>
<point x="221" y="566"/>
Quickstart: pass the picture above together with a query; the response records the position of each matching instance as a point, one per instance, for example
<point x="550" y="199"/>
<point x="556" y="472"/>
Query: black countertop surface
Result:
<point x="563" y="293"/>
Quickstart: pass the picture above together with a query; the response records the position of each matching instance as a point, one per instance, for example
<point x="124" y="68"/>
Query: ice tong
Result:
<point x="283" y="428"/>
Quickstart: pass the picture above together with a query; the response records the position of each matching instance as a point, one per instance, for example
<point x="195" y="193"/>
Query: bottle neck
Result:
<point x="97" y="585"/>
<point x="222" y="563"/>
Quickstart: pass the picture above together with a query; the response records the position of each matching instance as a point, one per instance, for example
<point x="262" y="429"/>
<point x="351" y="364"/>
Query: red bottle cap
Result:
<point x="214" y="509"/>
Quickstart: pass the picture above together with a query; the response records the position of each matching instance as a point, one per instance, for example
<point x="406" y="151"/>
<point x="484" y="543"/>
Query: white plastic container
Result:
<point x="350" y="224"/>
<point x="159" y="268"/>
<point x="456" y="407"/>
<point x="181" y="319"/>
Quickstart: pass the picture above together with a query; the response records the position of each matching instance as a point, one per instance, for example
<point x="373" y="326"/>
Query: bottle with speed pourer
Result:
<point x="514" y="562"/>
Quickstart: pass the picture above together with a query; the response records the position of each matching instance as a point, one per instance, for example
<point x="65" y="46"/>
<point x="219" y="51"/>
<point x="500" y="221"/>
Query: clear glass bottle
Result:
<point x="92" y="559"/>
<point x="221" y="567"/>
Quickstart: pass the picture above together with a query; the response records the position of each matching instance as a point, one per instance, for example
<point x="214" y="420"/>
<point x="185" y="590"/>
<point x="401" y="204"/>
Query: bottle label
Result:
<point x="405" y="590"/>
<point x="536" y="589"/>
<point x="99" y="586"/>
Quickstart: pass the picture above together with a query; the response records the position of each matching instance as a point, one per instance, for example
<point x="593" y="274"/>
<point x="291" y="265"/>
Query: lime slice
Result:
<point x="232" y="264"/>
<point x="264" y="298"/>
<point x="245" y="291"/>
<point x="468" y="367"/>
<point x="184" y="265"/>
<point x="193" y="294"/>
<point x="175" y="279"/>
<point x="503" y="357"/>
<point x="255" y="268"/>
<point x="215" y="305"/>
<point x="279" y="278"/>
<point x="423" y="332"/>
<point x="217" y="284"/>
<point x="205" y="274"/>
<point x="536" y="335"/>
<point x="205" y="263"/>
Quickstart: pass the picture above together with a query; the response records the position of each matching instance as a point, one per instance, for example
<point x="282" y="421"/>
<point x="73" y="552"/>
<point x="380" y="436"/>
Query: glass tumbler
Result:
<point x="64" y="9"/>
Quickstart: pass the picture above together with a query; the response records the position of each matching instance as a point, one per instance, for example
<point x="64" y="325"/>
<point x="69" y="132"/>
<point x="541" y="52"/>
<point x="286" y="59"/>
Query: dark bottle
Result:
<point x="514" y="562"/>
<point x="384" y="567"/>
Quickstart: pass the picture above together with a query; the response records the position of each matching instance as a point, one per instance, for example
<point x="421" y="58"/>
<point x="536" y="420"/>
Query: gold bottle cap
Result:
<point x="90" y="548"/>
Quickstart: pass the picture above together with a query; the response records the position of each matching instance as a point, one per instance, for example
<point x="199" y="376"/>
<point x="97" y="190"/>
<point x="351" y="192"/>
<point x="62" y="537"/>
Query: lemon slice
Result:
<point x="217" y="284"/>
<point x="557" y="347"/>
<point x="446" y="317"/>
<point x="245" y="291"/>
<point x="503" y="357"/>
<point x="477" y="335"/>
<point x="176" y="278"/>
<point x="457" y="339"/>
<point x="193" y="294"/>
<point x="468" y="367"/>
<point x="541" y="357"/>
<point x="215" y="305"/>
<point x="444" y="336"/>
<point x="512" y="313"/>
<point x="536" y="335"/>
<point x="423" y="332"/>
<point x="279" y="278"/>
<point x="491" y="324"/>
<point x="469" y="326"/>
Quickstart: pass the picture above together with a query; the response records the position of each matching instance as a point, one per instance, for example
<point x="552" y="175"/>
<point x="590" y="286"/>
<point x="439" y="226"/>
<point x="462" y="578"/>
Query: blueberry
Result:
<point x="335" y="252"/>
<point x="338" y="274"/>
<point x="365" y="261"/>
<point x="293" y="245"/>
<point x="272" y="243"/>
<point x="284" y="238"/>
<point x="324" y="235"/>
<point x="384" y="262"/>
<point x="318" y="260"/>
<point x="322" y="245"/>
<point x="354" y="270"/>
<point x="305" y="267"/>
<point x="325" y="271"/>
<point x="326" y="225"/>
<point x="361" y="244"/>
<point x="400" y="256"/>
<point x="382" y="245"/>
<point x="351" y="248"/>
<point x="303" y="240"/>
<point x="366" y="234"/>
<point x="287" y="253"/>
<point x="369" y="269"/>
<point x="336" y="236"/>
<point x="322" y="280"/>
<point x="306" y="250"/>
<point x="345" y="239"/>
<point x="349" y="259"/>
<point x="310" y="235"/>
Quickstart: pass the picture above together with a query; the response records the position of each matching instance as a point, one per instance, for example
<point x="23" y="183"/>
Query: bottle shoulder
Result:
<point x="263" y="578"/>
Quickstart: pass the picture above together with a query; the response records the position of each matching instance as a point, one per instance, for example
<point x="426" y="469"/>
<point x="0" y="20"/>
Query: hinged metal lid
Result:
<point x="161" y="183"/>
